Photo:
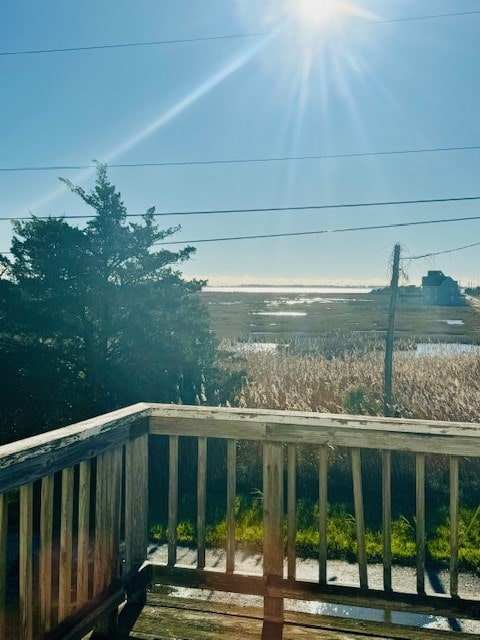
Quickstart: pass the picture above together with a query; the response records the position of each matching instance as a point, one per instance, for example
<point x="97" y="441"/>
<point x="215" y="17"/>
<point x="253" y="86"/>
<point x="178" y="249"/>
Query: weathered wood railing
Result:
<point x="77" y="501"/>
<point x="72" y="496"/>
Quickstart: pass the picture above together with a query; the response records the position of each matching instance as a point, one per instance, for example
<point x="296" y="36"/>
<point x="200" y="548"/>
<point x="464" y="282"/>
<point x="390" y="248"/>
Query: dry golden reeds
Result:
<point x="430" y="387"/>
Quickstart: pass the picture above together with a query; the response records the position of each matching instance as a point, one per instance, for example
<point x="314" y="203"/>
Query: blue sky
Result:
<point x="335" y="86"/>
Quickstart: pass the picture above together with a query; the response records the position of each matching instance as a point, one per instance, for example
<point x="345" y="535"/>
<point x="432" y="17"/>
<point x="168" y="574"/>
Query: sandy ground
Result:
<point x="338" y="572"/>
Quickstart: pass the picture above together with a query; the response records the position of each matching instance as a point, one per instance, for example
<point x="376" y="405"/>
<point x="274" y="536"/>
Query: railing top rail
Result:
<point x="31" y="458"/>
<point x="429" y="436"/>
<point x="26" y="460"/>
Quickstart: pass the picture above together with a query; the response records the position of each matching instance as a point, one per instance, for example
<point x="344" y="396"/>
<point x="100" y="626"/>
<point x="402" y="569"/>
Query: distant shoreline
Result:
<point x="260" y="288"/>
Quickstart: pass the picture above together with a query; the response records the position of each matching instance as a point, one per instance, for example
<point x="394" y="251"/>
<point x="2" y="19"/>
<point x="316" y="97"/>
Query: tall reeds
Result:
<point x="430" y="387"/>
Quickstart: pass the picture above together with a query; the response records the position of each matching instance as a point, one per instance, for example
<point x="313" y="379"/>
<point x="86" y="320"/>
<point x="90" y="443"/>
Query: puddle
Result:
<point x="256" y="347"/>
<point x="290" y="314"/>
<point x="338" y="572"/>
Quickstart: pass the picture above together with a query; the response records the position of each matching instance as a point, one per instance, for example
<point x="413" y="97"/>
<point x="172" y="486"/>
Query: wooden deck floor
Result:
<point x="175" y="618"/>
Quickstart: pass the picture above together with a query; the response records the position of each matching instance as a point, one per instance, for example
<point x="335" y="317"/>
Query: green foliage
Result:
<point x="341" y="544"/>
<point x="97" y="318"/>
<point x="403" y="541"/>
<point x="216" y="534"/>
<point x="158" y="532"/>
<point x="469" y="540"/>
<point x="248" y="525"/>
<point x="341" y="535"/>
<point x="186" y="534"/>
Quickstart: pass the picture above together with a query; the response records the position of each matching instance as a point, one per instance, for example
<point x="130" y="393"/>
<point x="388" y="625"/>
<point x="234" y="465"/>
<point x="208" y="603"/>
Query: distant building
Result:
<point x="410" y="294"/>
<point x="439" y="289"/>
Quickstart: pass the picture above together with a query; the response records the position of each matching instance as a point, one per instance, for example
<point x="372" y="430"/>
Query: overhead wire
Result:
<point x="375" y="227"/>
<point x="394" y="225"/>
<point x="186" y="163"/>
<point x="312" y="207"/>
<point x="150" y="43"/>
<point x="444" y="251"/>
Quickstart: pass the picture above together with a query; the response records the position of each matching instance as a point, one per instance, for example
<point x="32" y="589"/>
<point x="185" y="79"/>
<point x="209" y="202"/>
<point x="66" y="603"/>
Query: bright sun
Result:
<point x="316" y="12"/>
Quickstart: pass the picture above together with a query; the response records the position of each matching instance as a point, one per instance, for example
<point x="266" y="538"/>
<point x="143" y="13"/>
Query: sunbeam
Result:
<point x="165" y="118"/>
<point x="193" y="97"/>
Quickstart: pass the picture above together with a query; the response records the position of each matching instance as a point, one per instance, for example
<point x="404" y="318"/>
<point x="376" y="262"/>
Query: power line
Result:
<point x="313" y="207"/>
<point x="439" y="253"/>
<point x="427" y="17"/>
<point x="326" y="156"/>
<point x="377" y="227"/>
<point x="322" y="231"/>
<point x="150" y="43"/>
<point x="147" y="43"/>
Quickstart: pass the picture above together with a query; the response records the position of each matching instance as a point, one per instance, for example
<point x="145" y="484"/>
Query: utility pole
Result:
<point x="387" y="387"/>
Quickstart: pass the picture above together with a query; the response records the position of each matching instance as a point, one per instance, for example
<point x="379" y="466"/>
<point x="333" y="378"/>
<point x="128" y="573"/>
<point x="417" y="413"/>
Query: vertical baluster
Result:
<point x="291" y="511"/>
<point x="111" y="495"/>
<point x="231" y="491"/>
<point x="45" y="568"/>
<point x="100" y="545"/>
<point x="66" y="546"/>
<point x="387" y="519"/>
<point x="107" y="515"/>
<point x="454" y="487"/>
<point x="112" y="513"/>
<point x="359" y="518"/>
<point x="272" y="535"/>
<point x="3" y="564"/>
<point x="172" y="500"/>
<point x="420" y="502"/>
<point x="136" y="507"/>
<point x="116" y="505"/>
<point x="83" y="532"/>
<point x="323" y="509"/>
<point x="201" y="500"/>
<point x="25" y="560"/>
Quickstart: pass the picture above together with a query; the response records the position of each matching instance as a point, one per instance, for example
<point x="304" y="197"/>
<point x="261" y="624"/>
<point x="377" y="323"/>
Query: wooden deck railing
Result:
<point x="74" y="513"/>
<point x="71" y="497"/>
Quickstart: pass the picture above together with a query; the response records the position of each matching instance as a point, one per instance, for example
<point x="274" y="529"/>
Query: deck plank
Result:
<point x="168" y="616"/>
<point x="162" y="623"/>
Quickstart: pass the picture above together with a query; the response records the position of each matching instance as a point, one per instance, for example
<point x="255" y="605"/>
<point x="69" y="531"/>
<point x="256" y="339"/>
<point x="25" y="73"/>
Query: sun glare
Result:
<point x="320" y="13"/>
<point x="316" y="12"/>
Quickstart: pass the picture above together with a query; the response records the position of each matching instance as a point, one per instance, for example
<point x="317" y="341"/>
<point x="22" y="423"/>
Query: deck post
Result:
<point x="272" y="536"/>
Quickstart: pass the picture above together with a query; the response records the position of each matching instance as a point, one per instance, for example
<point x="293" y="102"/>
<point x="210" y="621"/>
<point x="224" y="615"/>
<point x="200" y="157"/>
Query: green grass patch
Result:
<point x="341" y="536"/>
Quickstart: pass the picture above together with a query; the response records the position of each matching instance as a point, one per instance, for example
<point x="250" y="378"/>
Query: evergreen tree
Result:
<point x="97" y="318"/>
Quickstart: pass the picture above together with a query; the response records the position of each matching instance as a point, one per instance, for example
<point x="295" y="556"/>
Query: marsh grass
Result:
<point x="428" y="387"/>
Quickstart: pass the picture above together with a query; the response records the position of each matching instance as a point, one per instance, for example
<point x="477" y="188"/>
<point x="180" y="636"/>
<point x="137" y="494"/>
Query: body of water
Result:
<point x="293" y="290"/>
<point x="444" y="348"/>
<point x="288" y="314"/>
